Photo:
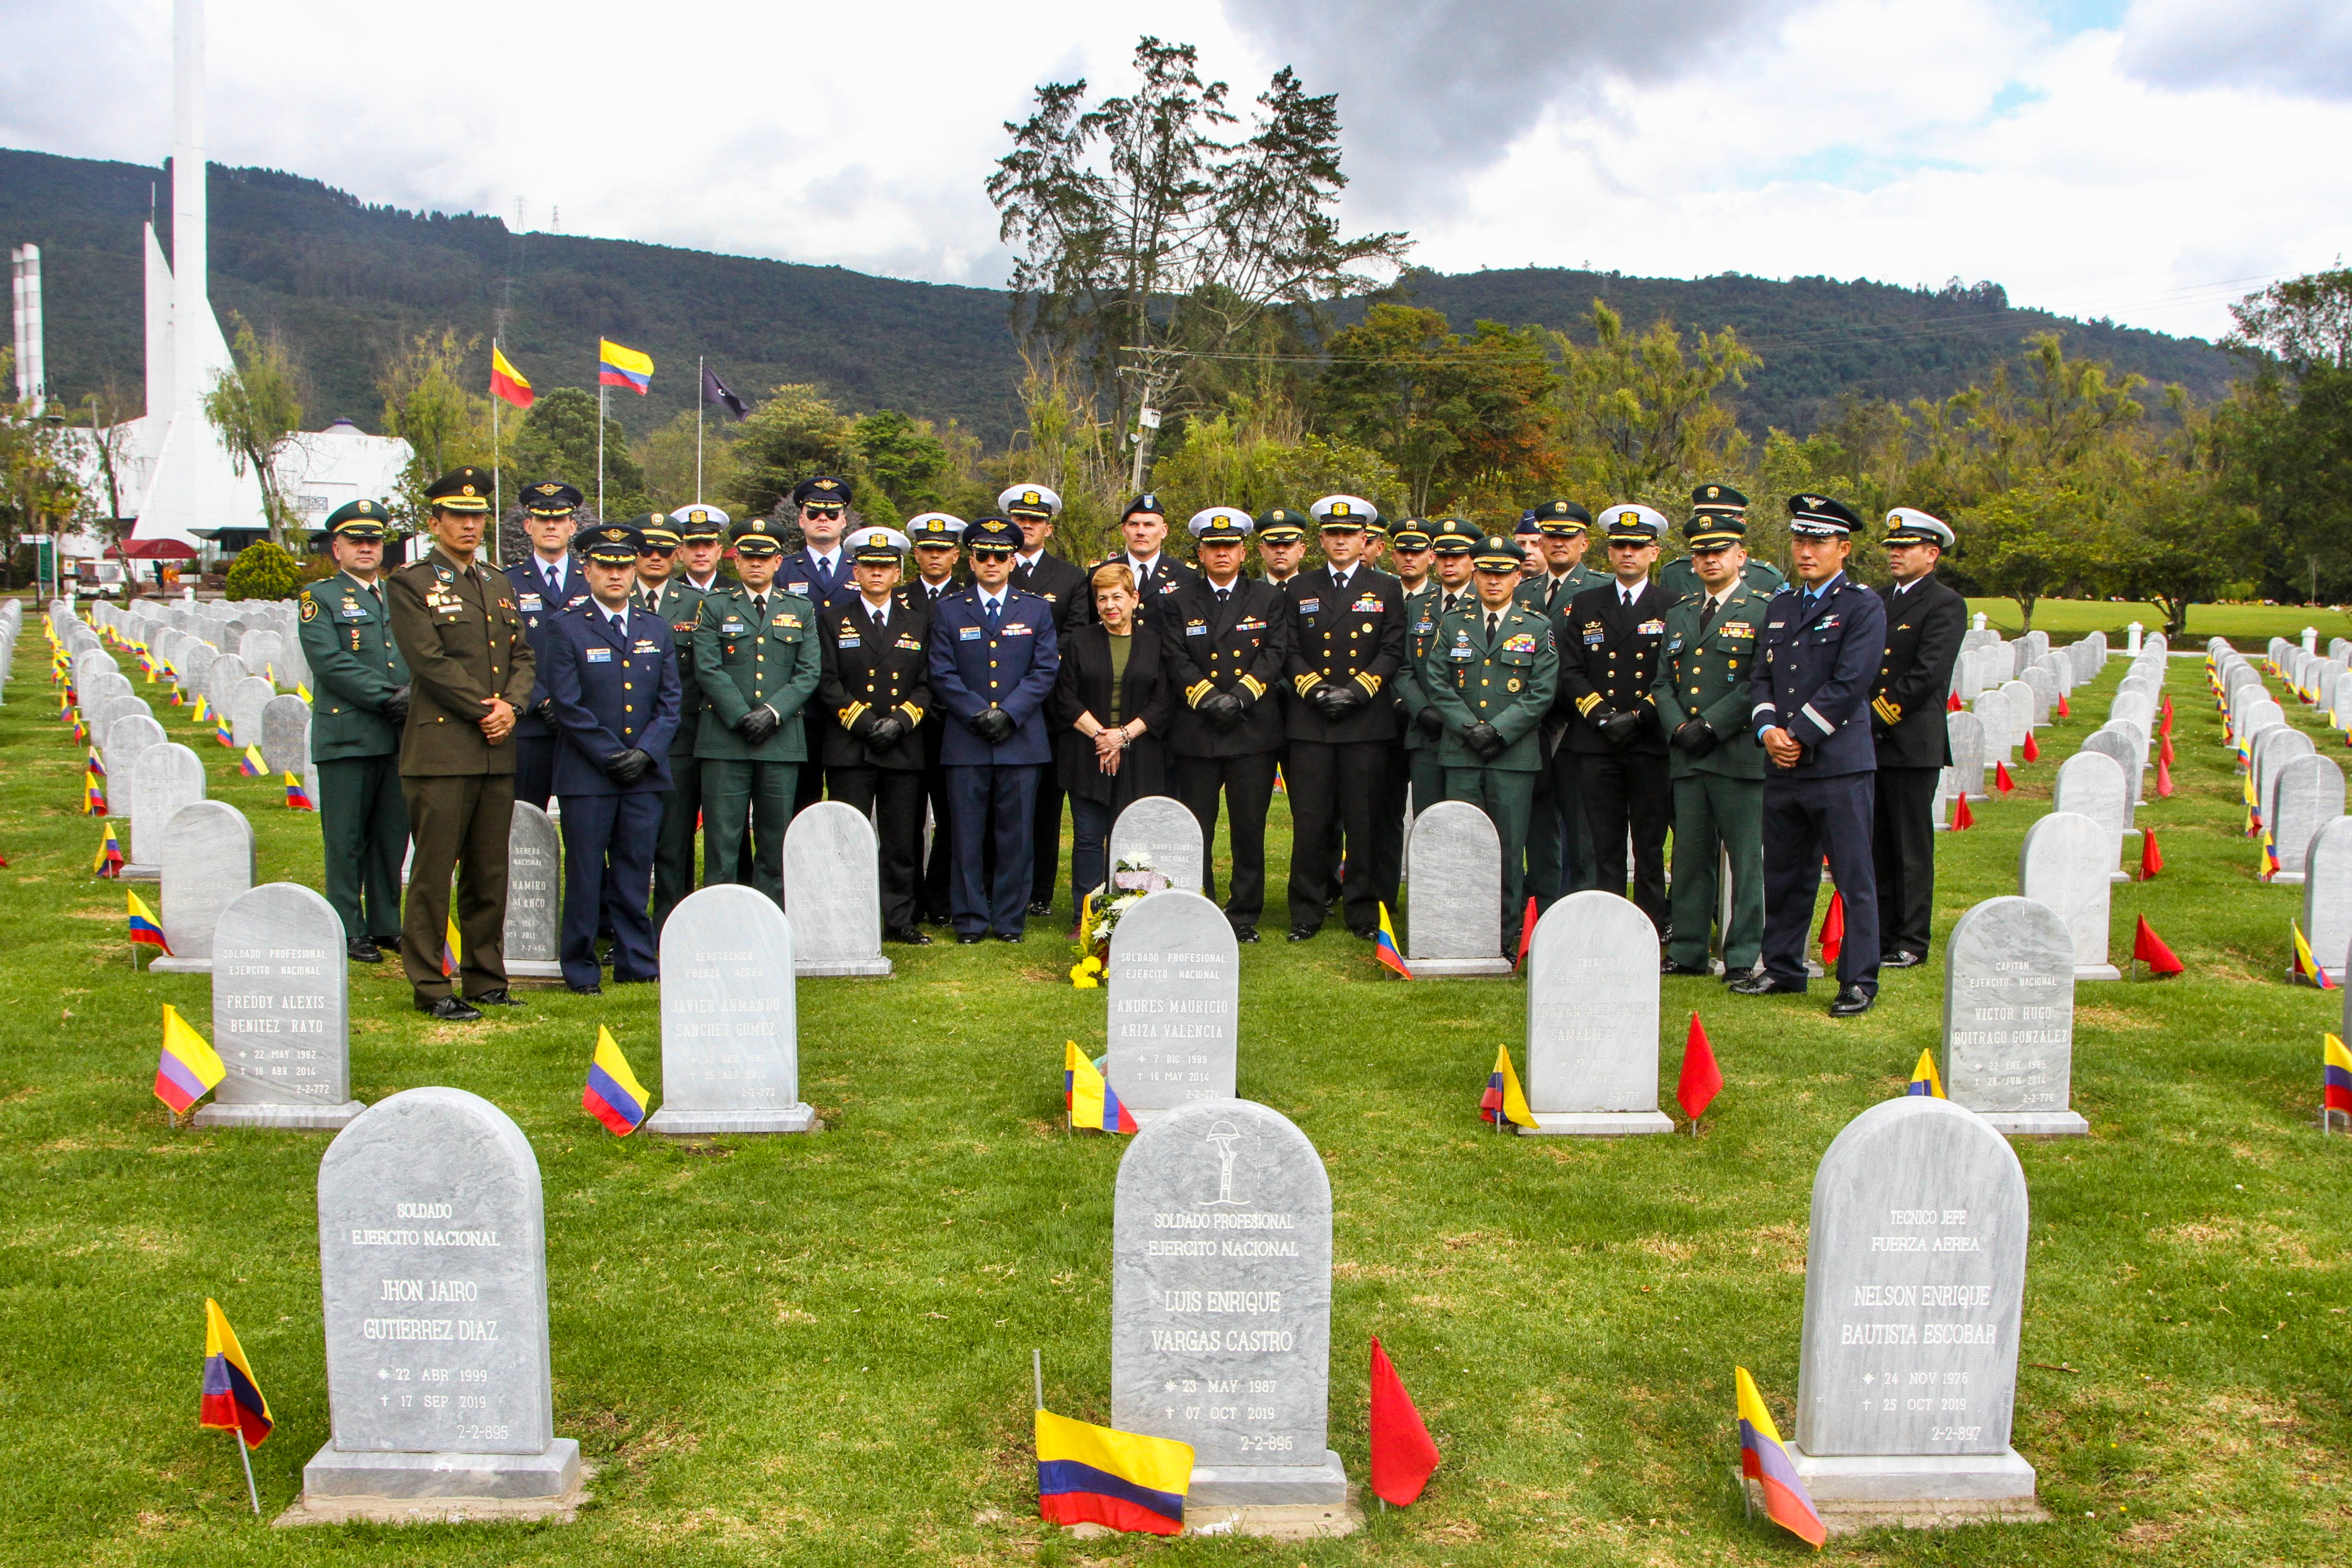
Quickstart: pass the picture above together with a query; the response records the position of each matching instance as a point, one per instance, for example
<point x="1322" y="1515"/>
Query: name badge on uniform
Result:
<point x="1650" y="630"/>
<point x="1464" y="650"/>
<point x="1676" y="646"/>
<point x="600" y="656"/>
<point x="1422" y="628"/>
<point x="849" y="640"/>
<point x="966" y="634"/>
<point x="353" y="613"/>
<point x="1776" y="626"/>
<point x="1195" y="629"/>
<point x="732" y="628"/>
<point x="799" y="588"/>
<point x="1593" y="635"/>
<point x="528" y="601"/>
<point x="1309" y="606"/>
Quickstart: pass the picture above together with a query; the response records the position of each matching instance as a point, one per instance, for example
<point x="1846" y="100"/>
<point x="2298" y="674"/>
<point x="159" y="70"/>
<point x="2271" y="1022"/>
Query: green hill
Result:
<point x="346" y="283"/>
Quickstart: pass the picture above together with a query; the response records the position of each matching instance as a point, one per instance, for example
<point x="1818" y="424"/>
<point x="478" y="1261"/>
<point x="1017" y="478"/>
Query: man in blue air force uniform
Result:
<point x="611" y="681"/>
<point x="1823" y="637"/>
<point x="994" y="656"/>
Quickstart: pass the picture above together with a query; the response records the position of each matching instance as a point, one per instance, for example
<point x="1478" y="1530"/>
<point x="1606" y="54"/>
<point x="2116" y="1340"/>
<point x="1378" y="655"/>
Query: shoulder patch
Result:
<point x="310" y="606"/>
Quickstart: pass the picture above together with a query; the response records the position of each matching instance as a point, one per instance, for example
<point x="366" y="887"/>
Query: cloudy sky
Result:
<point x="2148" y="160"/>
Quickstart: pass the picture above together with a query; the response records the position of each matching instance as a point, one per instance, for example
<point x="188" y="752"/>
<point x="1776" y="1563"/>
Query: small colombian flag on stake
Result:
<point x="109" y="855"/>
<point x="232" y="1399"/>
<point x="145" y="930"/>
<point x="1765" y="1462"/>
<point x="203" y="709"/>
<point x="450" y="950"/>
<point x="613" y="1096"/>
<point x="1092" y="1103"/>
<point x="1097" y="1475"/>
<point x="1503" y="1100"/>
<point x="189" y="1067"/>
<point x="297" y="797"/>
<point x="93" y="797"/>
<point x="222" y="732"/>
<point x="2335" y="1079"/>
<point x="2306" y="966"/>
<point x="1925" y="1078"/>
<point x="251" y="764"/>
<point x="1384" y="947"/>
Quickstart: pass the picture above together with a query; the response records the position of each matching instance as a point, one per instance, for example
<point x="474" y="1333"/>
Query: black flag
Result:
<point x="715" y="391"/>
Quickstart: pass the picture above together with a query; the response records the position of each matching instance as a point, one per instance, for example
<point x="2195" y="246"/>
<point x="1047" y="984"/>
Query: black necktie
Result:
<point x="1225" y="596"/>
<point x="760" y="607"/>
<point x="1449" y="603"/>
<point x="1707" y="617"/>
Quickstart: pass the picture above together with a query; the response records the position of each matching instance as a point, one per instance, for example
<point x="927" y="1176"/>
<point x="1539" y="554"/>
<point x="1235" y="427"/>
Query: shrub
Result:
<point x="263" y="570"/>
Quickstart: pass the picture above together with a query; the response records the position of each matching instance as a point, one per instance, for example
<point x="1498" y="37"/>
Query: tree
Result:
<point x="795" y="434"/>
<point x="2031" y="538"/>
<point x="909" y="466"/>
<point x="1142" y="239"/>
<point x="254" y="406"/>
<point x="558" y="441"/>
<point x="1260" y="455"/>
<point x="1640" y="412"/>
<point x="38" y="492"/>
<point x="426" y="403"/>
<point x="2287" y="428"/>
<point x="2304" y="322"/>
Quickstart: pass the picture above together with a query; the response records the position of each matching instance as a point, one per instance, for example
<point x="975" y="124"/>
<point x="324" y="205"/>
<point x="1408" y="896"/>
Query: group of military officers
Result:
<point x="1772" y="725"/>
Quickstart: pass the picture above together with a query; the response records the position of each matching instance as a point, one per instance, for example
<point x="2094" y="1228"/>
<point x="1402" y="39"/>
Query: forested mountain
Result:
<point x="345" y="284"/>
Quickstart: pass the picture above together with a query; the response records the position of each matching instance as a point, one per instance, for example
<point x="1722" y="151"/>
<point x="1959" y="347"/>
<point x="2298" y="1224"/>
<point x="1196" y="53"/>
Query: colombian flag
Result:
<point x="508" y="383"/>
<point x="1384" y="947"/>
<point x="145" y="928"/>
<point x="297" y="797"/>
<point x="1503" y="1100"/>
<point x="189" y="1067"/>
<point x="250" y="764"/>
<point x="450" y="950"/>
<point x="2336" y="1076"/>
<point x="108" y="862"/>
<point x="204" y="708"/>
<point x="233" y="1401"/>
<point x="1096" y="1475"/>
<point x="1093" y="1104"/>
<point x="1925" y="1078"/>
<point x="614" y="1095"/>
<point x="221" y="730"/>
<point x="2306" y="966"/>
<point x="618" y="366"/>
<point x="1765" y="1462"/>
<point x="93" y="797"/>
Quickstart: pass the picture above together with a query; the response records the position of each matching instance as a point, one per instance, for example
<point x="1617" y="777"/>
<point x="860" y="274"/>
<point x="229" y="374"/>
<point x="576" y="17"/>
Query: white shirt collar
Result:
<point x="881" y="612"/>
<point x="1028" y="558"/>
<point x="1630" y="594"/>
<point x="1341" y="575"/>
<point x="1139" y="565"/>
<point x="996" y="598"/>
<point x="831" y="558"/>
<point x="619" y="617"/>
<point x="705" y="585"/>
<point x="1718" y="599"/>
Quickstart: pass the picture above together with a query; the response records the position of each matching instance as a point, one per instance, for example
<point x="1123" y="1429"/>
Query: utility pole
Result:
<point x="1154" y="377"/>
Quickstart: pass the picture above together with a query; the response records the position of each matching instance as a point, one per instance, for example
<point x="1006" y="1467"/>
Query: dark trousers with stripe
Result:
<point x="995" y="806"/>
<point x="892" y="797"/>
<point x="608" y="865"/>
<point x="1629" y="791"/>
<point x="1902" y="847"/>
<point x="1805" y="819"/>
<point x="1336" y="790"/>
<point x="674" y="843"/>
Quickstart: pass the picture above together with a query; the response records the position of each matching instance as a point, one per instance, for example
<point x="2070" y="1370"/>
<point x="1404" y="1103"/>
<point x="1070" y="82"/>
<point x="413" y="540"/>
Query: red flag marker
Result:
<point x="2000" y="779"/>
<point x="1962" y="817"/>
<point x="2163" y="780"/>
<point x="2167" y="731"/>
<point x="2151" y="859"/>
<point x="2063" y="712"/>
<point x="1953" y="704"/>
<point x="2033" y="752"/>
<point x="2149" y="948"/>
<point x="1832" y="937"/>
<point x="1527" y="934"/>
<point x="2164" y="752"/>
<point x="1701" y="1080"/>
<point x="1403" y="1454"/>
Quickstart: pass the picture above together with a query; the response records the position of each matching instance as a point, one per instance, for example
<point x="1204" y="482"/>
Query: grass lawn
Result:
<point x="2249" y="626"/>
<point x="816" y="1350"/>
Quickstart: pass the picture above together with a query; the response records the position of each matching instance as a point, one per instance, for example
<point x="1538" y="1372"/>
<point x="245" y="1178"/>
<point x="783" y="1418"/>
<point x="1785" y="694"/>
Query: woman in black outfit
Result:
<point x="1113" y="704"/>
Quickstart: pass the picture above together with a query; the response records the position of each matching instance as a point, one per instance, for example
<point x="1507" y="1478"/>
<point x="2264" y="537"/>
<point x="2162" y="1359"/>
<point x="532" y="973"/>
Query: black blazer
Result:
<point x="867" y="673"/>
<point x="1352" y="636"/>
<point x="1609" y="659"/>
<point x="1924" y="630"/>
<point x="1084" y="687"/>
<point x="1061" y="583"/>
<point x="1242" y="648"/>
<point x="1168" y="574"/>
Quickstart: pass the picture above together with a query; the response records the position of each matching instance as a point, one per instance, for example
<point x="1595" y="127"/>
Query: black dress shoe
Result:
<point x="1300" y="933"/>
<point x="387" y="943"/>
<point x="362" y="950"/>
<point x="1040" y="906"/>
<point x="449" y="1010"/>
<point x="1762" y="984"/>
<point x="1365" y="934"/>
<point x="908" y="936"/>
<point x="1244" y="933"/>
<point x="1672" y="967"/>
<point x="1007" y="935"/>
<point x="968" y="939"/>
<point x="1732" y="977"/>
<point x="1852" y="1001"/>
<point x="1900" y="960"/>
<point x="498" y="998"/>
<point x="591" y="989"/>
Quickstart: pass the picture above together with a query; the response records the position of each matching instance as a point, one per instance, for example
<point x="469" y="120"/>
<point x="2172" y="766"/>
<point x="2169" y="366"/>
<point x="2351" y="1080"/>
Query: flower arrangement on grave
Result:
<point x="1100" y="914"/>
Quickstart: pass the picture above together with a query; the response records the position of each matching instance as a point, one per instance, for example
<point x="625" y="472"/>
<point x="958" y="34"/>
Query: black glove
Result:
<point x="1694" y="736"/>
<point x="1223" y="710"/>
<point x="995" y="725"/>
<point x="1620" y="728"/>
<point x="1334" y="702"/>
<point x="758" y="724"/>
<point x="544" y="709"/>
<point x="1429" y="721"/>
<point x="1484" y="739"/>
<point x="395" y="707"/>
<point x="885" y="732"/>
<point x="625" y="768"/>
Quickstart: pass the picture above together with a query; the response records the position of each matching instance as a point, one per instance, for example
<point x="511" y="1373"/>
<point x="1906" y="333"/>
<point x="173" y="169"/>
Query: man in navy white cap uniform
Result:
<point x="1063" y="584"/>
<point x="1822" y="643"/>
<point x="1926" y="621"/>
<point x="877" y="683"/>
<point x="994" y="656"/>
<point x="1226" y="641"/>
<point x="937" y="539"/>
<point x="546" y="584"/>
<point x="1608" y="666"/>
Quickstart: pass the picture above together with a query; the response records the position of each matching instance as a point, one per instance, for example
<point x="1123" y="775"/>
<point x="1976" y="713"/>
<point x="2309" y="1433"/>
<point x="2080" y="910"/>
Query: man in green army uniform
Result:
<point x="662" y="590"/>
<point x="1681" y="576"/>
<point x="1423" y="722"/>
<point x="1704" y="700"/>
<point x="470" y="670"/>
<point x="1559" y="842"/>
<point x="1490" y="674"/>
<point x="355" y="721"/>
<point x="757" y="658"/>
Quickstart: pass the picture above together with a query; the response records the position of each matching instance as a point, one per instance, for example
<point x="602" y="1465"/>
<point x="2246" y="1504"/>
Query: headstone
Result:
<point x="246" y="700"/>
<point x="221" y="679"/>
<point x="163" y="779"/>
<point x="2001" y="728"/>
<point x="1163" y="831"/>
<point x="2121" y="748"/>
<point x="106" y="714"/>
<point x="730" y="1031"/>
<point x="2339" y="701"/>
<point x="2328" y="897"/>
<point x="2090" y="783"/>
<point x="2065" y="864"/>
<point x="90" y="662"/>
<point x="2273" y="750"/>
<point x="533" y="931"/>
<point x="2309" y="796"/>
<point x="208" y="860"/>
<point x="281" y="1012"/>
<point x="2008" y="1017"/>
<point x="193" y="670"/>
<point x="1592" y="1018"/>
<point x="126" y="739"/>
<point x="1966" y="734"/>
<point x="1453" y="878"/>
<point x="1174" y="984"/>
<point x="433" y="1263"/>
<point x="1221" y="1301"/>
<point x="1915" y="1287"/>
<point x="286" y="734"/>
<point x="833" y="891"/>
<point x="260" y="651"/>
<point x="2021" y="704"/>
<point x="2044" y="688"/>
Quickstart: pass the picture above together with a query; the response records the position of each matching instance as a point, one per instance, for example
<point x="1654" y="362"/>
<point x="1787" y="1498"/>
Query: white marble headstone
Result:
<point x="1966" y="734"/>
<point x="1164" y="832"/>
<point x="1454" y="875"/>
<point x="207" y="861"/>
<point x="2065" y="864"/>
<point x="2309" y="795"/>
<point x="247" y="700"/>
<point x="2008" y="1017"/>
<point x="1174" y="985"/>
<point x="163" y="779"/>
<point x="730" y="1011"/>
<point x="281" y="1012"/>
<point x="286" y="734"/>
<point x="2090" y="783"/>
<point x="532" y="938"/>
<point x="2328" y="896"/>
<point x="1592" y="1018"/>
<point x="127" y="739"/>
<point x="833" y="891"/>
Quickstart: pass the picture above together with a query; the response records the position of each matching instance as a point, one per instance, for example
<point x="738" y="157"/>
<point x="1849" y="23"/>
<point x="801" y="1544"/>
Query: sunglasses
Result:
<point x="657" y="550"/>
<point x="821" y="511"/>
<point x="979" y="554"/>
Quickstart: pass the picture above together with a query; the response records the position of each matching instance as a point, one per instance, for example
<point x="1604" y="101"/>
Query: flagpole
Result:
<point x="698" y="401"/>
<point x="251" y="1490"/>
<point x="497" y="498"/>
<point x="1037" y="1374"/>
<point x="600" y="444"/>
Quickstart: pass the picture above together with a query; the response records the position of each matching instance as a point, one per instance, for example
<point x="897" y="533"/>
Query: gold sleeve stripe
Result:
<point x="914" y="714"/>
<point x="1370" y="682"/>
<point x="1307" y="683"/>
<point x="1887" y="711"/>
<point x="1585" y="705"/>
<point x="1198" y="689"/>
<point x="849" y="714"/>
<point x="1256" y="687"/>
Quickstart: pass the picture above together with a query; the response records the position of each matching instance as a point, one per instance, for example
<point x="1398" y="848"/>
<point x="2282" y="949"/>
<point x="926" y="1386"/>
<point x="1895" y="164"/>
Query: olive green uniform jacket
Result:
<point x="1508" y="683"/>
<point x="1709" y="676"/>
<point x="741" y="662"/>
<point x="346" y="635"/>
